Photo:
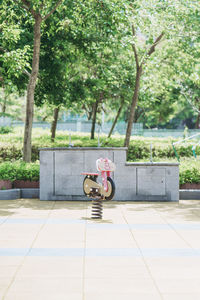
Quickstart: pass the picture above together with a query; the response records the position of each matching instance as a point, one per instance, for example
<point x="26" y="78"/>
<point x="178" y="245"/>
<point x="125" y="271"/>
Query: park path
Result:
<point x="53" y="250"/>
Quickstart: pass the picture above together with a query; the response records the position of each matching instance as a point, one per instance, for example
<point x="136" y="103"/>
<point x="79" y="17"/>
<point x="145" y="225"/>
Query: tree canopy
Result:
<point x="135" y="60"/>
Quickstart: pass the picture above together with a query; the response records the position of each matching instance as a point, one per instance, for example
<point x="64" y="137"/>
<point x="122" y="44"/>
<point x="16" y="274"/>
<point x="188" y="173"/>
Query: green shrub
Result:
<point x="19" y="171"/>
<point x="7" y="171"/>
<point x="10" y="152"/>
<point x="5" y="129"/>
<point x="139" y="150"/>
<point x="27" y="171"/>
<point x="190" y="176"/>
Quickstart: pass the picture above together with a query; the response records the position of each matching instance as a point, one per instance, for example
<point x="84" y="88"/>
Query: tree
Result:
<point x="14" y="53"/>
<point x="171" y="78"/>
<point x="149" y="42"/>
<point x="40" y="13"/>
<point x="152" y="22"/>
<point x="103" y="25"/>
<point x="59" y="82"/>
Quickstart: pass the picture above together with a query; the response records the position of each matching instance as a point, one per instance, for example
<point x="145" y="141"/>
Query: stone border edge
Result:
<point x="189" y="194"/>
<point x="14" y="194"/>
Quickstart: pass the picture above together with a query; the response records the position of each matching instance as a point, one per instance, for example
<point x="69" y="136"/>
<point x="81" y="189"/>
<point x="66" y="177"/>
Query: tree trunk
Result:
<point x="54" y="123"/>
<point x="94" y="117"/>
<point x="94" y="114"/>
<point x="133" y="106"/>
<point x="4" y="107"/>
<point x="3" y="104"/>
<point x="197" y="121"/>
<point x="31" y="90"/>
<point x="116" y="118"/>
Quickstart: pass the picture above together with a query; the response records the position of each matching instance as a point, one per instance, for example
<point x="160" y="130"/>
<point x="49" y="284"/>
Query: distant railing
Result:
<point x="85" y="126"/>
<point x="120" y="128"/>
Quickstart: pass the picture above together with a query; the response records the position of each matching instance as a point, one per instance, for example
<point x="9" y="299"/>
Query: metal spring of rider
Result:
<point x="97" y="209"/>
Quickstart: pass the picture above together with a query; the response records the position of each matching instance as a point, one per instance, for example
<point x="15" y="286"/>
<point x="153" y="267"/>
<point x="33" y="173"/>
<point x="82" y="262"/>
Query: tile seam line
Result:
<point x="22" y="262"/>
<point x="83" y="272"/>
<point x="173" y="228"/>
<point x="143" y="258"/>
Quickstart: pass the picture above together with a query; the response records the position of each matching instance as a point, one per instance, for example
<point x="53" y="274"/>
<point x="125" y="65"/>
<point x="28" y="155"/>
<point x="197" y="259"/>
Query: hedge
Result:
<point x="189" y="173"/>
<point x="137" y="150"/>
<point x="19" y="171"/>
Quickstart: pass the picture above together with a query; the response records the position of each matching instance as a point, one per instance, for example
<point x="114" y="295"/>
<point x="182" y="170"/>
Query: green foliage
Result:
<point x="5" y="129"/>
<point x="189" y="171"/>
<point x="9" y="152"/>
<point x="27" y="171"/>
<point x="139" y="150"/>
<point x="19" y="171"/>
<point x="190" y="176"/>
<point x="7" y="171"/>
<point x="11" y="145"/>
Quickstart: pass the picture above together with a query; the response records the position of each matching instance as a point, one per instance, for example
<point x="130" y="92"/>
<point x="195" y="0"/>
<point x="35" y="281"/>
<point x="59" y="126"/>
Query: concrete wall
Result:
<point x="61" y="179"/>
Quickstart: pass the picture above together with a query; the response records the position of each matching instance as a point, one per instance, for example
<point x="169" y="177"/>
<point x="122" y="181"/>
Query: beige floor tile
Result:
<point x="58" y="243"/>
<point x="173" y="271"/>
<point x="173" y="262"/>
<point x="119" y="278"/>
<point x="62" y="266"/>
<point x="178" y="285"/>
<point x="121" y="296"/>
<point x="42" y="296"/>
<point x="105" y="238"/>
<point x="7" y="270"/>
<point x="108" y="242"/>
<point x="46" y="284"/>
<point x="16" y="242"/>
<point x="159" y="239"/>
<point x="4" y="283"/>
<point x="61" y="230"/>
<point x="57" y="236"/>
<point x="29" y="212"/>
<point x="181" y="296"/>
<point x="18" y="230"/>
<point x="143" y="218"/>
<point x="106" y="220"/>
<point x="10" y="261"/>
<point x="191" y="237"/>
<point x="118" y="268"/>
<point x="9" y="206"/>
<point x="67" y="209"/>
<point x="119" y="285"/>
<point x="120" y="260"/>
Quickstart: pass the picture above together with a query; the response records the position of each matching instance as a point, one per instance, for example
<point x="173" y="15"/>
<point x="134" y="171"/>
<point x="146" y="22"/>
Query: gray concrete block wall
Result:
<point x="172" y="182"/>
<point x="47" y="179"/>
<point x="61" y="179"/>
<point x="152" y="181"/>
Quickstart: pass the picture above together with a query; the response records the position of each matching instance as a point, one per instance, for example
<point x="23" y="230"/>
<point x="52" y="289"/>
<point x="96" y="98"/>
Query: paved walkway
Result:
<point x="54" y="251"/>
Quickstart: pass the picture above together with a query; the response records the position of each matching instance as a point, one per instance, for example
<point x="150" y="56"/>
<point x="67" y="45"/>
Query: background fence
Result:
<point x="120" y="128"/>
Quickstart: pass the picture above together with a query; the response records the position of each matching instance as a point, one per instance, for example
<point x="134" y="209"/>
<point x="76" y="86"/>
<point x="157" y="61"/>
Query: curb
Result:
<point x="14" y="194"/>
<point x="11" y="194"/>
<point x="189" y="194"/>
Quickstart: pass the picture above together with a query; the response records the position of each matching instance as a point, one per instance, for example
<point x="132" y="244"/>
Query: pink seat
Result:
<point x="92" y="174"/>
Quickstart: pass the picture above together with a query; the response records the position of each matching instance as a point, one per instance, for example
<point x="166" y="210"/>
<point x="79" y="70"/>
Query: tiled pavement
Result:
<point x="54" y="251"/>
